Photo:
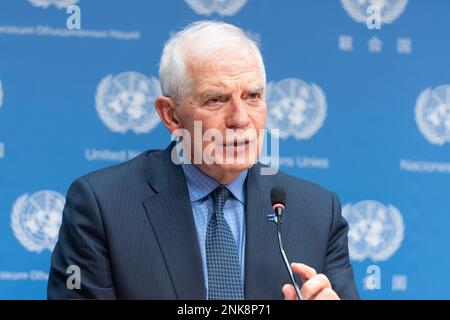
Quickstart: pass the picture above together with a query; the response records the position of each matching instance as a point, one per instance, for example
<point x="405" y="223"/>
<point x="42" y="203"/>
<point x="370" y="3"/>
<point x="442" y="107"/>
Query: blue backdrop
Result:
<point x="363" y="111"/>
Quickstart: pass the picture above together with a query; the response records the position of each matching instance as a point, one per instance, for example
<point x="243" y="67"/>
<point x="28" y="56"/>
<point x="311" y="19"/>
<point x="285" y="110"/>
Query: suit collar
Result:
<point x="161" y="170"/>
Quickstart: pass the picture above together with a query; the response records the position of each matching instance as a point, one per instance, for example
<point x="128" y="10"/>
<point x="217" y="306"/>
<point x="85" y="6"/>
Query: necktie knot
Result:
<point x="220" y="196"/>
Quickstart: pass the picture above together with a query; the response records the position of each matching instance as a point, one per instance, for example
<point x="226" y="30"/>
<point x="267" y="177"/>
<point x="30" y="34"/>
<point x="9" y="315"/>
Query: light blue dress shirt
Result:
<point x="200" y="187"/>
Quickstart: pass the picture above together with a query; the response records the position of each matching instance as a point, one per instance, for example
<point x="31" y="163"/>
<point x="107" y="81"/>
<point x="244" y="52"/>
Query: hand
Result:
<point x="315" y="286"/>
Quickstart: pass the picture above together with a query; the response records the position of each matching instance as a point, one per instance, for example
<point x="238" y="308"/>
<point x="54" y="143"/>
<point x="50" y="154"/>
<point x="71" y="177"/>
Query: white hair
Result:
<point x="203" y="39"/>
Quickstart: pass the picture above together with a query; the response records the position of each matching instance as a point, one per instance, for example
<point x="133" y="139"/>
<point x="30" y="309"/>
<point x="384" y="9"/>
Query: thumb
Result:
<point x="304" y="271"/>
<point x="289" y="292"/>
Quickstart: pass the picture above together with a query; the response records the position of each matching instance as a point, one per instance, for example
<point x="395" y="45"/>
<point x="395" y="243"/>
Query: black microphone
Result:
<point x="278" y="199"/>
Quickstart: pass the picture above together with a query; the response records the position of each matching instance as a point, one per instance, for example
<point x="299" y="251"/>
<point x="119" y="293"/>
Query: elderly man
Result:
<point x="152" y="228"/>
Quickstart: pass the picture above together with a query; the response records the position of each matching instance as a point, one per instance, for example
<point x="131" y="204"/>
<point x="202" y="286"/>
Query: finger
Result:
<point x="327" y="294"/>
<point x="289" y="292"/>
<point x="313" y="286"/>
<point x="306" y="272"/>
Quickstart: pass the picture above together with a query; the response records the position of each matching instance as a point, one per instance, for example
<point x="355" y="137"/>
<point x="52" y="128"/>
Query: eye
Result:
<point x="215" y="101"/>
<point x="254" y="96"/>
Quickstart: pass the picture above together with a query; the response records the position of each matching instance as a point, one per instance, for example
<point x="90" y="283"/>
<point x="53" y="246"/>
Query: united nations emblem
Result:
<point x="60" y="4"/>
<point x="375" y="230"/>
<point x="295" y="108"/>
<point x="433" y="114"/>
<point x="126" y="102"/>
<point x="223" y="8"/>
<point x="36" y="218"/>
<point x="390" y="10"/>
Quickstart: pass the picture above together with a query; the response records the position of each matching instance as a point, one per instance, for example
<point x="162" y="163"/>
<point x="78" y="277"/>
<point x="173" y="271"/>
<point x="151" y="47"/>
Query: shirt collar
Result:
<point x="200" y="185"/>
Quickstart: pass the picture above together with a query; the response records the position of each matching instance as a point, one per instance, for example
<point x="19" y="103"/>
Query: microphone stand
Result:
<point x="277" y="219"/>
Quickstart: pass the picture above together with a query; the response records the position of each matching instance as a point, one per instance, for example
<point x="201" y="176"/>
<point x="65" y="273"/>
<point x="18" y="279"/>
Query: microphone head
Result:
<point x="278" y="197"/>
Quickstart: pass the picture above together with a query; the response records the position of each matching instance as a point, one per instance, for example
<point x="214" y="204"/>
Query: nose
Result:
<point x="237" y="114"/>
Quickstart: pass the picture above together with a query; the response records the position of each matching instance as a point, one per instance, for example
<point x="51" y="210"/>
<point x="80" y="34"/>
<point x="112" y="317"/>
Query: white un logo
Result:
<point x="60" y="4"/>
<point x="375" y="230"/>
<point x="295" y="108"/>
<point x="433" y="114"/>
<point x="36" y="218"/>
<point x="221" y="7"/>
<point x="390" y="10"/>
<point x="126" y="102"/>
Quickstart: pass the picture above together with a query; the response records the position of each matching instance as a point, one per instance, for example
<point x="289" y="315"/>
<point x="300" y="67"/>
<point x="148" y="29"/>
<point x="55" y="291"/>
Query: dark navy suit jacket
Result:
<point x="130" y="229"/>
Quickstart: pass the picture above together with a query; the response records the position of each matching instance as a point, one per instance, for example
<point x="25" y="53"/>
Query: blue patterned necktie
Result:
<point x="224" y="270"/>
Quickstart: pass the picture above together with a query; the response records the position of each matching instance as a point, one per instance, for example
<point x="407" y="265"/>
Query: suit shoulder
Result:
<point x="122" y="172"/>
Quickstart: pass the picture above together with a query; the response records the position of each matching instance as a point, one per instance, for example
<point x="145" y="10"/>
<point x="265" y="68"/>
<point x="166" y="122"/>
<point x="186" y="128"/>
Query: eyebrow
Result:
<point x="214" y="92"/>
<point x="218" y="92"/>
<point x="256" y="89"/>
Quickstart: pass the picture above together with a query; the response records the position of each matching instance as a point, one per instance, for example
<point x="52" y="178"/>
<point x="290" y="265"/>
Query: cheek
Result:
<point x="264" y="112"/>
<point x="211" y="120"/>
<point x="259" y="118"/>
<point x="190" y="116"/>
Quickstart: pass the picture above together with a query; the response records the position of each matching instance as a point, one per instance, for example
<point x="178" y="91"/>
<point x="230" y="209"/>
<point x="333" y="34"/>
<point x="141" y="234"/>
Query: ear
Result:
<point x="165" y="107"/>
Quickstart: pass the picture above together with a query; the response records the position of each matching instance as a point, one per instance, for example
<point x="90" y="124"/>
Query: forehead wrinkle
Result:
<point x="225" y="62"/>
<point x="231" y="80"/>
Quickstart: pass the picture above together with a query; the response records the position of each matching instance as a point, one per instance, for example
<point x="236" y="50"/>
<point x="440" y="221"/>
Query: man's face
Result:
<point x="227" y="94"/>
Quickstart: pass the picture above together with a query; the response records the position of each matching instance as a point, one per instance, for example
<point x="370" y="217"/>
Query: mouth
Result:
<point x="237" y="144"/>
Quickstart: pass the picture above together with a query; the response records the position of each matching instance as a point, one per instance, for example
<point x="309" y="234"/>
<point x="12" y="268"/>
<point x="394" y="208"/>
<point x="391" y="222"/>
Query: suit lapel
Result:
<point x="262" y="265"/>
<point x="170" y="212"/>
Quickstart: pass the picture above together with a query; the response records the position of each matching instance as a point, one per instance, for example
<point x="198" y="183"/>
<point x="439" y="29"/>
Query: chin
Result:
<point x="237" y="167"/>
